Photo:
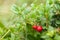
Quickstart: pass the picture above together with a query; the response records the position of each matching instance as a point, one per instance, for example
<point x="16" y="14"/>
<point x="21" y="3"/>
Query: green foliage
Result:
<point x="25" y="16"/>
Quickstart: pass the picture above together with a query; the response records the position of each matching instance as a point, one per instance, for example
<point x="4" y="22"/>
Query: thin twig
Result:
<point x="5" y="34"/>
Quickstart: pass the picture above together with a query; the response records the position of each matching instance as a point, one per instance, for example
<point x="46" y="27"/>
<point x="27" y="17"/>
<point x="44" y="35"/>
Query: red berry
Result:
<point x="35" y="27"/>
<point x="39" y="28"/>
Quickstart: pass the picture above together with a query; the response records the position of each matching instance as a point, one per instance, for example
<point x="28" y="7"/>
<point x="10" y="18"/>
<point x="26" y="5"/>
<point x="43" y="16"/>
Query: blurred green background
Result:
<point x="5" y="6"/>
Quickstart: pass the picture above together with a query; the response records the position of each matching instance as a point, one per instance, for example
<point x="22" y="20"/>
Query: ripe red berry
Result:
<point x="35" y="27"/>
<point x="39" y="28"/>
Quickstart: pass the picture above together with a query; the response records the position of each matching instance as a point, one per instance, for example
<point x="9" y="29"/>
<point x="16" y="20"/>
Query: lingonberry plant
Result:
<point x="35" y="22"/>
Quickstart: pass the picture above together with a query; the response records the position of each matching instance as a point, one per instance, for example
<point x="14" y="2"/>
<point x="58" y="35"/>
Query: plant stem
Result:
<point x="5" y="34"/>
<point x="46" y="15"/>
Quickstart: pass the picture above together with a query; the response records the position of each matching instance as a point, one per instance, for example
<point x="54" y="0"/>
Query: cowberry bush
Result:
<point x="33" y="22"/>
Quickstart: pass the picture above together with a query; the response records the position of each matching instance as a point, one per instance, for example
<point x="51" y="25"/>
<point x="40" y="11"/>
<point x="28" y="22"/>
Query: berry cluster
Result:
<point x="37" y="28"/>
